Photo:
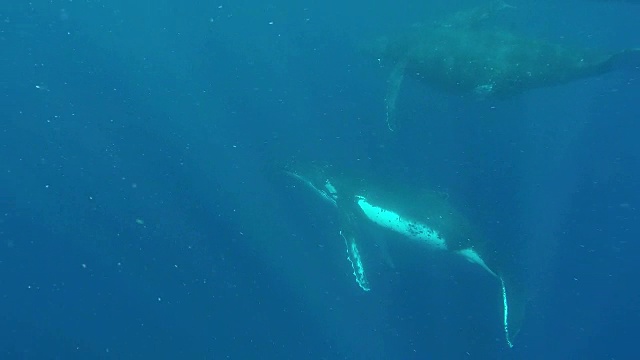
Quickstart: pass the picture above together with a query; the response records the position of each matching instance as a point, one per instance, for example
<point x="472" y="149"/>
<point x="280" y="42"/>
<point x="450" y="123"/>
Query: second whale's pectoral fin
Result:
<point x="513" y="308"/>
<point x="393" y="89"/>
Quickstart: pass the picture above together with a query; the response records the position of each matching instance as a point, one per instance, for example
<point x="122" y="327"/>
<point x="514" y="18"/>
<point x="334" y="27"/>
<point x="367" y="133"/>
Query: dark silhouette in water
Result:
<point x="466" y="55"/>
<point x="626" y="1"/>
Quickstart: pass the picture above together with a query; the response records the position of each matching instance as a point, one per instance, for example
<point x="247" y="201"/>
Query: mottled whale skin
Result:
<point x="423" y="218"/>
<point x="465" y="55"/>
<point x="489" y="62"/>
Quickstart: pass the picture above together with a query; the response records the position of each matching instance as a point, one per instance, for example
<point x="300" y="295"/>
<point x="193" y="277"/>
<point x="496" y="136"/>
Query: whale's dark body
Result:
<point x="491" y="62"/>
<point x="466" y="55"/>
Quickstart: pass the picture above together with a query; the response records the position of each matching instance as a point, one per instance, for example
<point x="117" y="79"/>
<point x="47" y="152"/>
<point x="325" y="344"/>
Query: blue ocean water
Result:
<point x="142" y="215"/>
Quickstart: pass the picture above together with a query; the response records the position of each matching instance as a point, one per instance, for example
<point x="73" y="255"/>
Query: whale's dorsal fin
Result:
<point x="476" y="16"/>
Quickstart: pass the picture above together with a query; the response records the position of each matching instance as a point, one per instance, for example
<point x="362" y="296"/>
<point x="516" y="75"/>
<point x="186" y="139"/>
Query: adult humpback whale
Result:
<point x="423" y="218"/>
<point x="465" y="54"/>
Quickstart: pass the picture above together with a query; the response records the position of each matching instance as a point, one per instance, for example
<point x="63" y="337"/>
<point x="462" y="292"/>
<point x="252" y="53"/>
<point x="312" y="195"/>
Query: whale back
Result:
<point x="491" y="62"/>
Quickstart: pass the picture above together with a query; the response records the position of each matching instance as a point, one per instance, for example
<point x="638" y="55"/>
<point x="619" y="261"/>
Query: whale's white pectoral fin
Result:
<point x="353" y="255"/>
<point x="512" y="302"/>
<point x="513" y="305"/>
<point x="505" y="313"/>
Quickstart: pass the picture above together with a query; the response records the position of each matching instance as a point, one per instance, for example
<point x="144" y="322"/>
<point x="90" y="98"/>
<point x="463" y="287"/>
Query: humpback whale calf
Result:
<point x="465" y="54"/>
<point x="422" y="218"/>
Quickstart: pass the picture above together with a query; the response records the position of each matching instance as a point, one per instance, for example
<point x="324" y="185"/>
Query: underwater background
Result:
<point x="141" y="213"/>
